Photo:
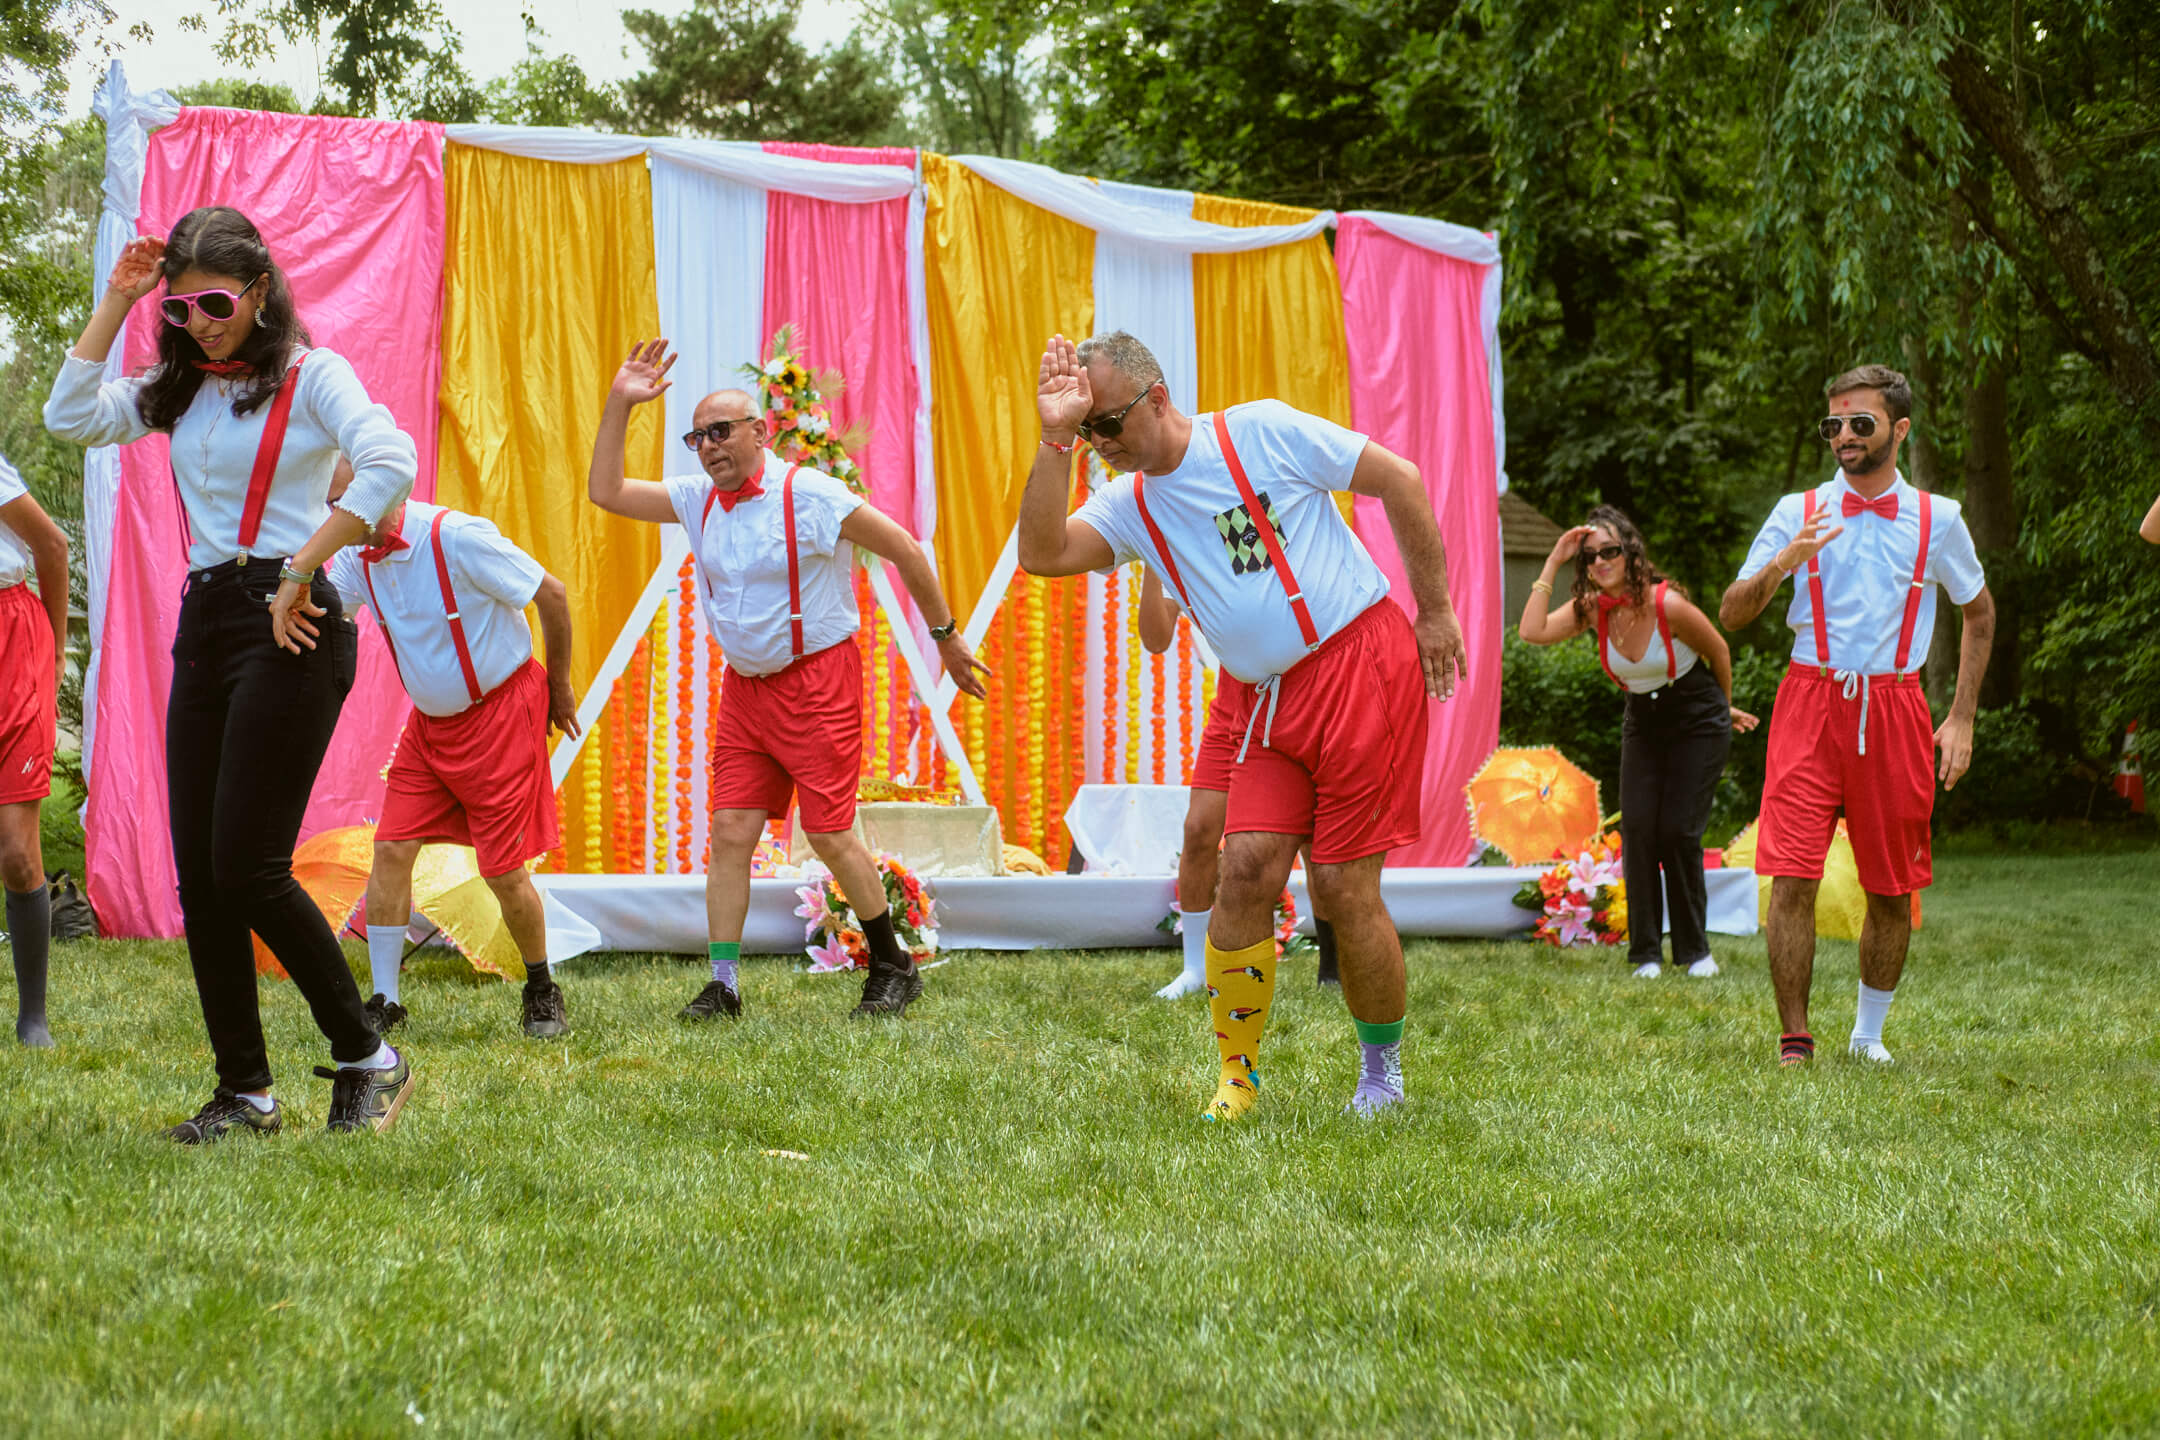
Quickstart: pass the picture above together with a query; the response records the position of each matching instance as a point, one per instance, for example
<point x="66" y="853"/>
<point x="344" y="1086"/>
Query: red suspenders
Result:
<point x="1260" y="523"/>
<point x="450" y="609"/>
<point x="1664" y="630"/>
<point x="794" y="563"/>
<point x="266" y="457"/>
<point x="1912" y="596"/>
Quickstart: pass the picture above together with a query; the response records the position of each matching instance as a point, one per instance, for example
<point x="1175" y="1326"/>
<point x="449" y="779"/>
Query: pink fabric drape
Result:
<point x="353" y="211"/>
<point x="1420" y="385"/>
<point x="838" y="272"/>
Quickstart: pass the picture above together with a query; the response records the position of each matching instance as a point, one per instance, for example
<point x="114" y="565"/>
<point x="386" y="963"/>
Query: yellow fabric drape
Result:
<point x="1001" y="277"/>
<point x="548" y="281"/>
<point x="1268" y="323"/>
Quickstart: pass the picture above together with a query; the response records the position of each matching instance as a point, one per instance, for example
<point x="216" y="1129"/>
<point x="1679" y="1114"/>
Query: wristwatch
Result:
<point x="945" y="631"/>
<point x="297" y="577"/>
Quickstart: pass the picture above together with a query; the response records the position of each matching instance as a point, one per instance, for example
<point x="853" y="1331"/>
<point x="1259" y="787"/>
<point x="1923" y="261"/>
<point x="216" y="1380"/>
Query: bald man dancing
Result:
<point x="775" y="546"/>
<point x="1326" y="678"/>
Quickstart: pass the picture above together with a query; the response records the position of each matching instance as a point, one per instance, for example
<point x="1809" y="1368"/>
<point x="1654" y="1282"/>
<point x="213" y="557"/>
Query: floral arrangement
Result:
<point x="835" y="942"/>
<point x="1582" y="901"/>
<point x="793" y="398"/>
<point x="1287" y="939"/>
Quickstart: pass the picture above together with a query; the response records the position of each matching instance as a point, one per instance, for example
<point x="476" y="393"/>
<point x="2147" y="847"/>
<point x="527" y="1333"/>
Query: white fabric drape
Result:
<point x="1106" y="212"/>
<point x="740" y="161"/>
<point x="709" y="262"/>
<point x="129" y="118"/>
<point x="918" y="280"/>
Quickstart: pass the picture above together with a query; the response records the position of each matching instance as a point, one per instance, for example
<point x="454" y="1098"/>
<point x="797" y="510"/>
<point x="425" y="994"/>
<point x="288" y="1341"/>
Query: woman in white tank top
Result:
<point x="1677" y="729"/>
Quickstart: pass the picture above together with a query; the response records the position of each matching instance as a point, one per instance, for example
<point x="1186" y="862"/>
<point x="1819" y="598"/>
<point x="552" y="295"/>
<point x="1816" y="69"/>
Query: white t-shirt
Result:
<point x="213" y="451"/>
<point x="1295" y="462"/>
<point x="493" y="580"/>
<point x="1867" y="573"/>
<point x="743" y="570"/>
<point x="14" y="554"/>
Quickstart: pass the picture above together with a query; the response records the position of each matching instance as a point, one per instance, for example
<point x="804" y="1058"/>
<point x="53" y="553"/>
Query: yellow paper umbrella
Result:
<point x="447" y="888"/>
<point x="1840" y="905"/>
<point x="333" y="869"/>
<point x="1532" y="805"/>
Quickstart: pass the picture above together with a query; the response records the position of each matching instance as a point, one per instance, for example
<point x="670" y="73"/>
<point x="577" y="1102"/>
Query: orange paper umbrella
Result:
<point x="1532" y="805"/>
<point x="333" y="869"/>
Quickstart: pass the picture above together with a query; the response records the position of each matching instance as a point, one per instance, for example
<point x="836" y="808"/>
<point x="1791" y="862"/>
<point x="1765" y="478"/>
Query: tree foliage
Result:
<point x="733" y="70"/>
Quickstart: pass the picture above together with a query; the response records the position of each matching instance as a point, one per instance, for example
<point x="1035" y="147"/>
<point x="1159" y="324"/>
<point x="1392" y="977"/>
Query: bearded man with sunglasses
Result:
<point x="1327" y="677"/>
<point x="775" y="547"/>
<point x="1851" y="730"/>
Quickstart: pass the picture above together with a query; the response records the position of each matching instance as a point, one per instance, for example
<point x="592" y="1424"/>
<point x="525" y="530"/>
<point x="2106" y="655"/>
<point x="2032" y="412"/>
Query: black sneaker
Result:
<point x="226" y="1111"/>
<point x="367" y="1099"/>
<point x="889" y="990"/>
<point x="712" y="1001"/>
<point x="384" y="1015"/>
<point x="544" y="1012"/>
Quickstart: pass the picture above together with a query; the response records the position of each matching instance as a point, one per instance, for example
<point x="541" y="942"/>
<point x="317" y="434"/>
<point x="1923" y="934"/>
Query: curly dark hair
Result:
<point x="219" y="240"/>
<point x="1641" y="574"/>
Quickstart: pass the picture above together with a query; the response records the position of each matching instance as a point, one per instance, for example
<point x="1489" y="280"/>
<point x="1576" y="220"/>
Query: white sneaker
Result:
<point x="1181" y="987"/>
<point x="1649" y="970"/>
<point x="1871" y="1051"/>
<point x="1703" y="969"/>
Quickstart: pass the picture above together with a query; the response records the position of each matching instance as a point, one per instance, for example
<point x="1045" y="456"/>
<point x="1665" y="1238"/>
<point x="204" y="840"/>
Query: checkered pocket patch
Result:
<point x="1248" y="552"/>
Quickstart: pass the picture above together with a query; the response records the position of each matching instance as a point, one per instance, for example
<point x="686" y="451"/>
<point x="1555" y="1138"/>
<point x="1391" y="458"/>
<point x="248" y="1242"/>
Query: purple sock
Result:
<point x="1380" y="1080"/>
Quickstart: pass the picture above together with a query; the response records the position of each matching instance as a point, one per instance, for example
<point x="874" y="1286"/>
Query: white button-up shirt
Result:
<point x="743" y="571"/>
<point x="14" y="555"/>
<point x="1866" y="574"/>
<point x="213" y="451"/>
<point x="493" y="581"/>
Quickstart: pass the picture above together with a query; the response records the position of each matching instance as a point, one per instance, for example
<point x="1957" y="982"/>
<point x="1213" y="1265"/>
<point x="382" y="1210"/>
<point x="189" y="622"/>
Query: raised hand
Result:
<point x="1570" y="543"/>
<point x="1805" y="544"/>
<point x="643" y="376"/>
<point x="136" y="273"/>
<point x="1063" y="395"/>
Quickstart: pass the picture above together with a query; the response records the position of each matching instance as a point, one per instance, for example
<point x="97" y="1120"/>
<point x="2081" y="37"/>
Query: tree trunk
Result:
<point x="1991" y="513"/>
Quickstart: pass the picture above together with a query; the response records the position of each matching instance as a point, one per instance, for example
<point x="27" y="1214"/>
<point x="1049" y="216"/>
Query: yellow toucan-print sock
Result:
<point x="1241" y="983"/>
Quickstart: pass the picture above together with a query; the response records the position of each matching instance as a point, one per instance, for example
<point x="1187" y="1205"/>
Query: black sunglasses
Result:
<point x="1863" y="425"/>
<point x="1109" y="427"/>
<point x="718" y="431"/>
<point x="1610" y="552"/>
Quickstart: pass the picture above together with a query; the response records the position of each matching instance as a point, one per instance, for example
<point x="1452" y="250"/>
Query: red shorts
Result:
<point x="1216" y="756"/>
<point x="479" y="777"/>
<point x="28" y="709"/>
<point x="1816" y="769"/>
<point x="1345" y="761"/>
<point x="795" y="729"/>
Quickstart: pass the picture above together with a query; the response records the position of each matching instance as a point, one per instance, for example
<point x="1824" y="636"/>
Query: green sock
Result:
<point x="1371" y="1034"/>
<point x="724" y="954"/>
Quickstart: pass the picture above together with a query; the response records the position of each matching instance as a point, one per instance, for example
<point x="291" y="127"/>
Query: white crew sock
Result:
<point x="385" y="957"/>
<point x="384" y="1058"/>
<point x="1873" y="1009"/>
<point x="1193" y="979"/>
<point x="263" y="1103"/>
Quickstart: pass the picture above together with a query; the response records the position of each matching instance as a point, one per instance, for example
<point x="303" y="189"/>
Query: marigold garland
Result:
<point x="997" y="776"/>
<point x="1074" y="728"/>
<point x="658" y="730"/>
<point x="1132" y="677"/>
<point x="595" y="818"/>
<point x="1027" y="703"/>
<point x="618" y="781"/>
<point x="715" y="673"/>
<point x="865" y="625"/>
<point x="685" y="710"/>
<point x="1184" y="696"/>
<point x="881" y="698"/>
<point x="1158" y="682"/>
<point x="1110" y="633"/>
<point x="640" y="712"/>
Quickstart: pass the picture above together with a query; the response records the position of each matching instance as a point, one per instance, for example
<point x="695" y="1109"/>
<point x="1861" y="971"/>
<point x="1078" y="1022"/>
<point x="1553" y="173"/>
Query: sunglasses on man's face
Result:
<point x="214" y="304"/>
<point x="717" y="432"/>
<point x="1863" y="425"/>
<point x="1109" y="427"/>
<point x="1608" y="552"/>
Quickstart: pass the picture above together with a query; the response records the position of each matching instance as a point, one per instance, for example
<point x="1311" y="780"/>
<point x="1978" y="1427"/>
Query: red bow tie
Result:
<point x="748" y="490"/>
<point x="1613" y="602"/>
<point x="224" y="368"/>
<point x="1884" y="505"/>
<point x="376" y="554"/>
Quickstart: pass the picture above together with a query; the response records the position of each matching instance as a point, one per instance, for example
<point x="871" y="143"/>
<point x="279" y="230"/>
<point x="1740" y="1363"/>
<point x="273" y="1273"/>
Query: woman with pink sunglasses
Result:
<point x="265" y="654"/>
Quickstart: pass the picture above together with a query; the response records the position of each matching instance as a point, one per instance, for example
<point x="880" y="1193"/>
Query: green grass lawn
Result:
<point x="1605" y="1212"/>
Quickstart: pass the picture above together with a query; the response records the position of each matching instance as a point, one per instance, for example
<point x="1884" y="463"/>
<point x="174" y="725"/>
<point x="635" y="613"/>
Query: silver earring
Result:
<point x="260" y="323"/>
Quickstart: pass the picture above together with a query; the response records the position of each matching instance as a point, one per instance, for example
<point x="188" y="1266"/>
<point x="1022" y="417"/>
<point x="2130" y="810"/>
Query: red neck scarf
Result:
<point x="376" y="554"/>
<point x="748" y="490"/>
<point x="1613" y="602"/>
<point x="224" y="369"/>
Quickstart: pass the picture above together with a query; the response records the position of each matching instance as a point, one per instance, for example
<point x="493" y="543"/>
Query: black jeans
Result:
<point x="245" y="732"/>
<point x="1672" y="750"/>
